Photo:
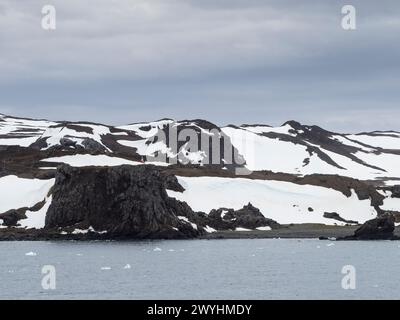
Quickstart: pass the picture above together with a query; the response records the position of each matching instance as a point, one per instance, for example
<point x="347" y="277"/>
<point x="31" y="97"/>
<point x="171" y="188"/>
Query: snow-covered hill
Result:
<point x="275" y="158"/>
<point x="291" y="148"/>
<point x="298" y="149"/>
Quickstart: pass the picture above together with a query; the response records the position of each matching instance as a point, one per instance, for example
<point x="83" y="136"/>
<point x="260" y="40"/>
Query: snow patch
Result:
<point x="242" y="229"/>
<point x="209" y="229"/>
<point x="194" y="226"/>
<point x="266" y="228"/>
<point x="20" y="192"/>
<point x="86" y="160"/>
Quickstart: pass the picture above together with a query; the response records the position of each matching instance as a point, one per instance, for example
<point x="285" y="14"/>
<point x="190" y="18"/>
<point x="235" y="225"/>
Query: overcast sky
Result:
<point x="228" y="61"/>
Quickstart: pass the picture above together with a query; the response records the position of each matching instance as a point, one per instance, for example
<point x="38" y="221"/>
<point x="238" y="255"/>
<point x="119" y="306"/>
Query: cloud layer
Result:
<point x="229" y="61"/>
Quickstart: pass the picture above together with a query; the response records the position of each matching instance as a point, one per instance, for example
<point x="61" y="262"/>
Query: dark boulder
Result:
<point x="126" y="201"/>
<point x="248" y="217"/>
<point x="67" y="143"/>
<point x="395" y="191"/>
<point x="11" y="217"/>
<point x="93" y="146"/>
<point x="380" y="228"/>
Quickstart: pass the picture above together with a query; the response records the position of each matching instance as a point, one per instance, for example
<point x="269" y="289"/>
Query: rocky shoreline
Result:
<point x="296" y="231"/>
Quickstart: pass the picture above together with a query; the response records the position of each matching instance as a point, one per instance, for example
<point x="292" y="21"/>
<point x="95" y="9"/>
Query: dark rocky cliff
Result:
<point x="125" y="201"/>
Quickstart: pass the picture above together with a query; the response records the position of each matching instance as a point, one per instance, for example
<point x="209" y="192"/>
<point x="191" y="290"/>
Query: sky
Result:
<point x="227" y="61"/>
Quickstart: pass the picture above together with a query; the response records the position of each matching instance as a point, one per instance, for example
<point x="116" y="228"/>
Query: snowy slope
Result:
<point x="18" y="192"/>
<point x="154" y="143"/>
<point x="291" y="148"/>
<point x="306" y="150"/>
<point x="53" y="135"/>
<point x="282" y="201"/>
<point x="27" y="132"/>
<point x="21" y="132"/>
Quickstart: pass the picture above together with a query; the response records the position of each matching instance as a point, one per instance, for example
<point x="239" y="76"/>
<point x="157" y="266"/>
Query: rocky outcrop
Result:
<point x="380" y="228"/>
<point x="124" y="201"/>
<point x="67" y="143"/>
<point x="336" y="216"/>
<point x="395" y="191"/>
<point x="249" y="217"/>
<point x="11" y="217"/>
<point x="93" y="146"/>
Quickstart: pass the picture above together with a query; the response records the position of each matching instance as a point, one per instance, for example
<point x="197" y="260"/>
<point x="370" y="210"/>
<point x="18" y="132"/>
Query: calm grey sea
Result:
<point x="200" y="269"/>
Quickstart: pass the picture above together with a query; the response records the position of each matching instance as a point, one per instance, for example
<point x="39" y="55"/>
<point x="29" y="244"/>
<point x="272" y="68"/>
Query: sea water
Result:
<point x="200" y="269"/>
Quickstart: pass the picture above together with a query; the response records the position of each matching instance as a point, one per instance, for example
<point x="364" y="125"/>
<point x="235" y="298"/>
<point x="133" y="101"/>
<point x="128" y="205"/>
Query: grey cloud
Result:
<point x="227" y="61"/>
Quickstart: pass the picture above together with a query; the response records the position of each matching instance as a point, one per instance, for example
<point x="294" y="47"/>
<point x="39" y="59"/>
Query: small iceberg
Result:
<point x="105" y="268"/>
<point x="32" y="254"/>
<point x="127" y="266"/>
<point x="157" y="249"/>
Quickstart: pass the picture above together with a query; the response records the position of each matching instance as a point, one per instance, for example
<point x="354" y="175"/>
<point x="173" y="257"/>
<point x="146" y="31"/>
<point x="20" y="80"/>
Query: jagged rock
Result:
<point x="38" y="206"/>
<point x="336" y="216"/>
<point x="11" y="217"/>
<point x="67" y="143"/>
<point x="395" y="191"/>
<point x="145" y="128"/>
<point x="126" y="201"/>
<point x="92" y="145"/>
<point x="171" y="183"/>
<point x="363" y="194"/>
<point x="380" y="228"/>
<point x="248" y="217"/>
